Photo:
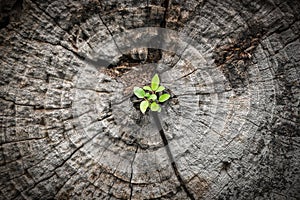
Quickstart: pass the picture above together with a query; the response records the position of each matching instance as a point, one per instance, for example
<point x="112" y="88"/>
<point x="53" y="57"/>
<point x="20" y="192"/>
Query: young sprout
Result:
<point x="151" y="95"/>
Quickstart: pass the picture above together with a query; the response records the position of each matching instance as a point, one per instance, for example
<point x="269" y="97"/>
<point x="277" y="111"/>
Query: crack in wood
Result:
<point x="58" y="166"/>
<point x="280" y="127"/>
<point x="64" y="183"/>
<point x="23" y="140"/>
<point x="131" y="175"/>
<point x="113" y="183"/>
<point x="111" y="34"/>
<point x="169" y="153"/>
<point x="166" y="5"/>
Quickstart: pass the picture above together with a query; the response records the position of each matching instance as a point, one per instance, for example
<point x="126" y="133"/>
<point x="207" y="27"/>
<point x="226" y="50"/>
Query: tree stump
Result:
<point x="70" y="128"/>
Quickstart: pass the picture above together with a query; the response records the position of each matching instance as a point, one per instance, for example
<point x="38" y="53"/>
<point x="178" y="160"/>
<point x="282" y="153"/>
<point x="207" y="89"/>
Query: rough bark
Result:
<point x="70" y="129"/>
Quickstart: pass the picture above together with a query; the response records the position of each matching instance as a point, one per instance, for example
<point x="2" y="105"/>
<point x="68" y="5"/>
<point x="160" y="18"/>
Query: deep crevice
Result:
<point x="166" y="5"/>
<point x="173" y="163"/>
<point x="131" y="175"/>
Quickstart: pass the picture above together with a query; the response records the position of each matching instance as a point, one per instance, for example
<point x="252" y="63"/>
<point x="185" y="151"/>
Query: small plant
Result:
<point x="151" y="95"/>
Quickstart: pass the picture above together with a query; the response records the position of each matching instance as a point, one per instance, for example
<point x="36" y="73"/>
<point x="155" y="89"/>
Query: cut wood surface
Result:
<point x="71" y="127"/>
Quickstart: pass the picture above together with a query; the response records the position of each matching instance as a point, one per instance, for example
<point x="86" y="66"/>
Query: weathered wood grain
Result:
<point x="69" y="126"/>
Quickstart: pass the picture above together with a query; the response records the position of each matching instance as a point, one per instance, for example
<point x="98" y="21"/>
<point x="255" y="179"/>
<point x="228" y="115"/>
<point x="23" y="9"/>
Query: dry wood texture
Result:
<point x="70" y="128"/>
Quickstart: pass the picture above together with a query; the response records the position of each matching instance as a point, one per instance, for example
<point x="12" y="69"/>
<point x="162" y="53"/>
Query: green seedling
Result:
<point x="151" y="95"/>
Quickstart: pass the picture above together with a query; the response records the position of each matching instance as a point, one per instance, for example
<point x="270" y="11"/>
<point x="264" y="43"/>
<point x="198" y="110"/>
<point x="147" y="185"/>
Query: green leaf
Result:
<point x="155" y="107"/>
<point x="155" y="82"/>
<point x="159" y="110"/>
<point x="152" y="97"/>
<point x="147" y="95"/>
<point x="144" y="105"/>
<point x="147" y="88"/>
<point x="139" y="92"/>
<point x="164" y="97"/>
<point x="160" y="89"/>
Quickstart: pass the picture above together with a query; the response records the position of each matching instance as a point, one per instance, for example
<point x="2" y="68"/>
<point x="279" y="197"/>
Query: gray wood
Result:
<point x="69" y="128"/>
